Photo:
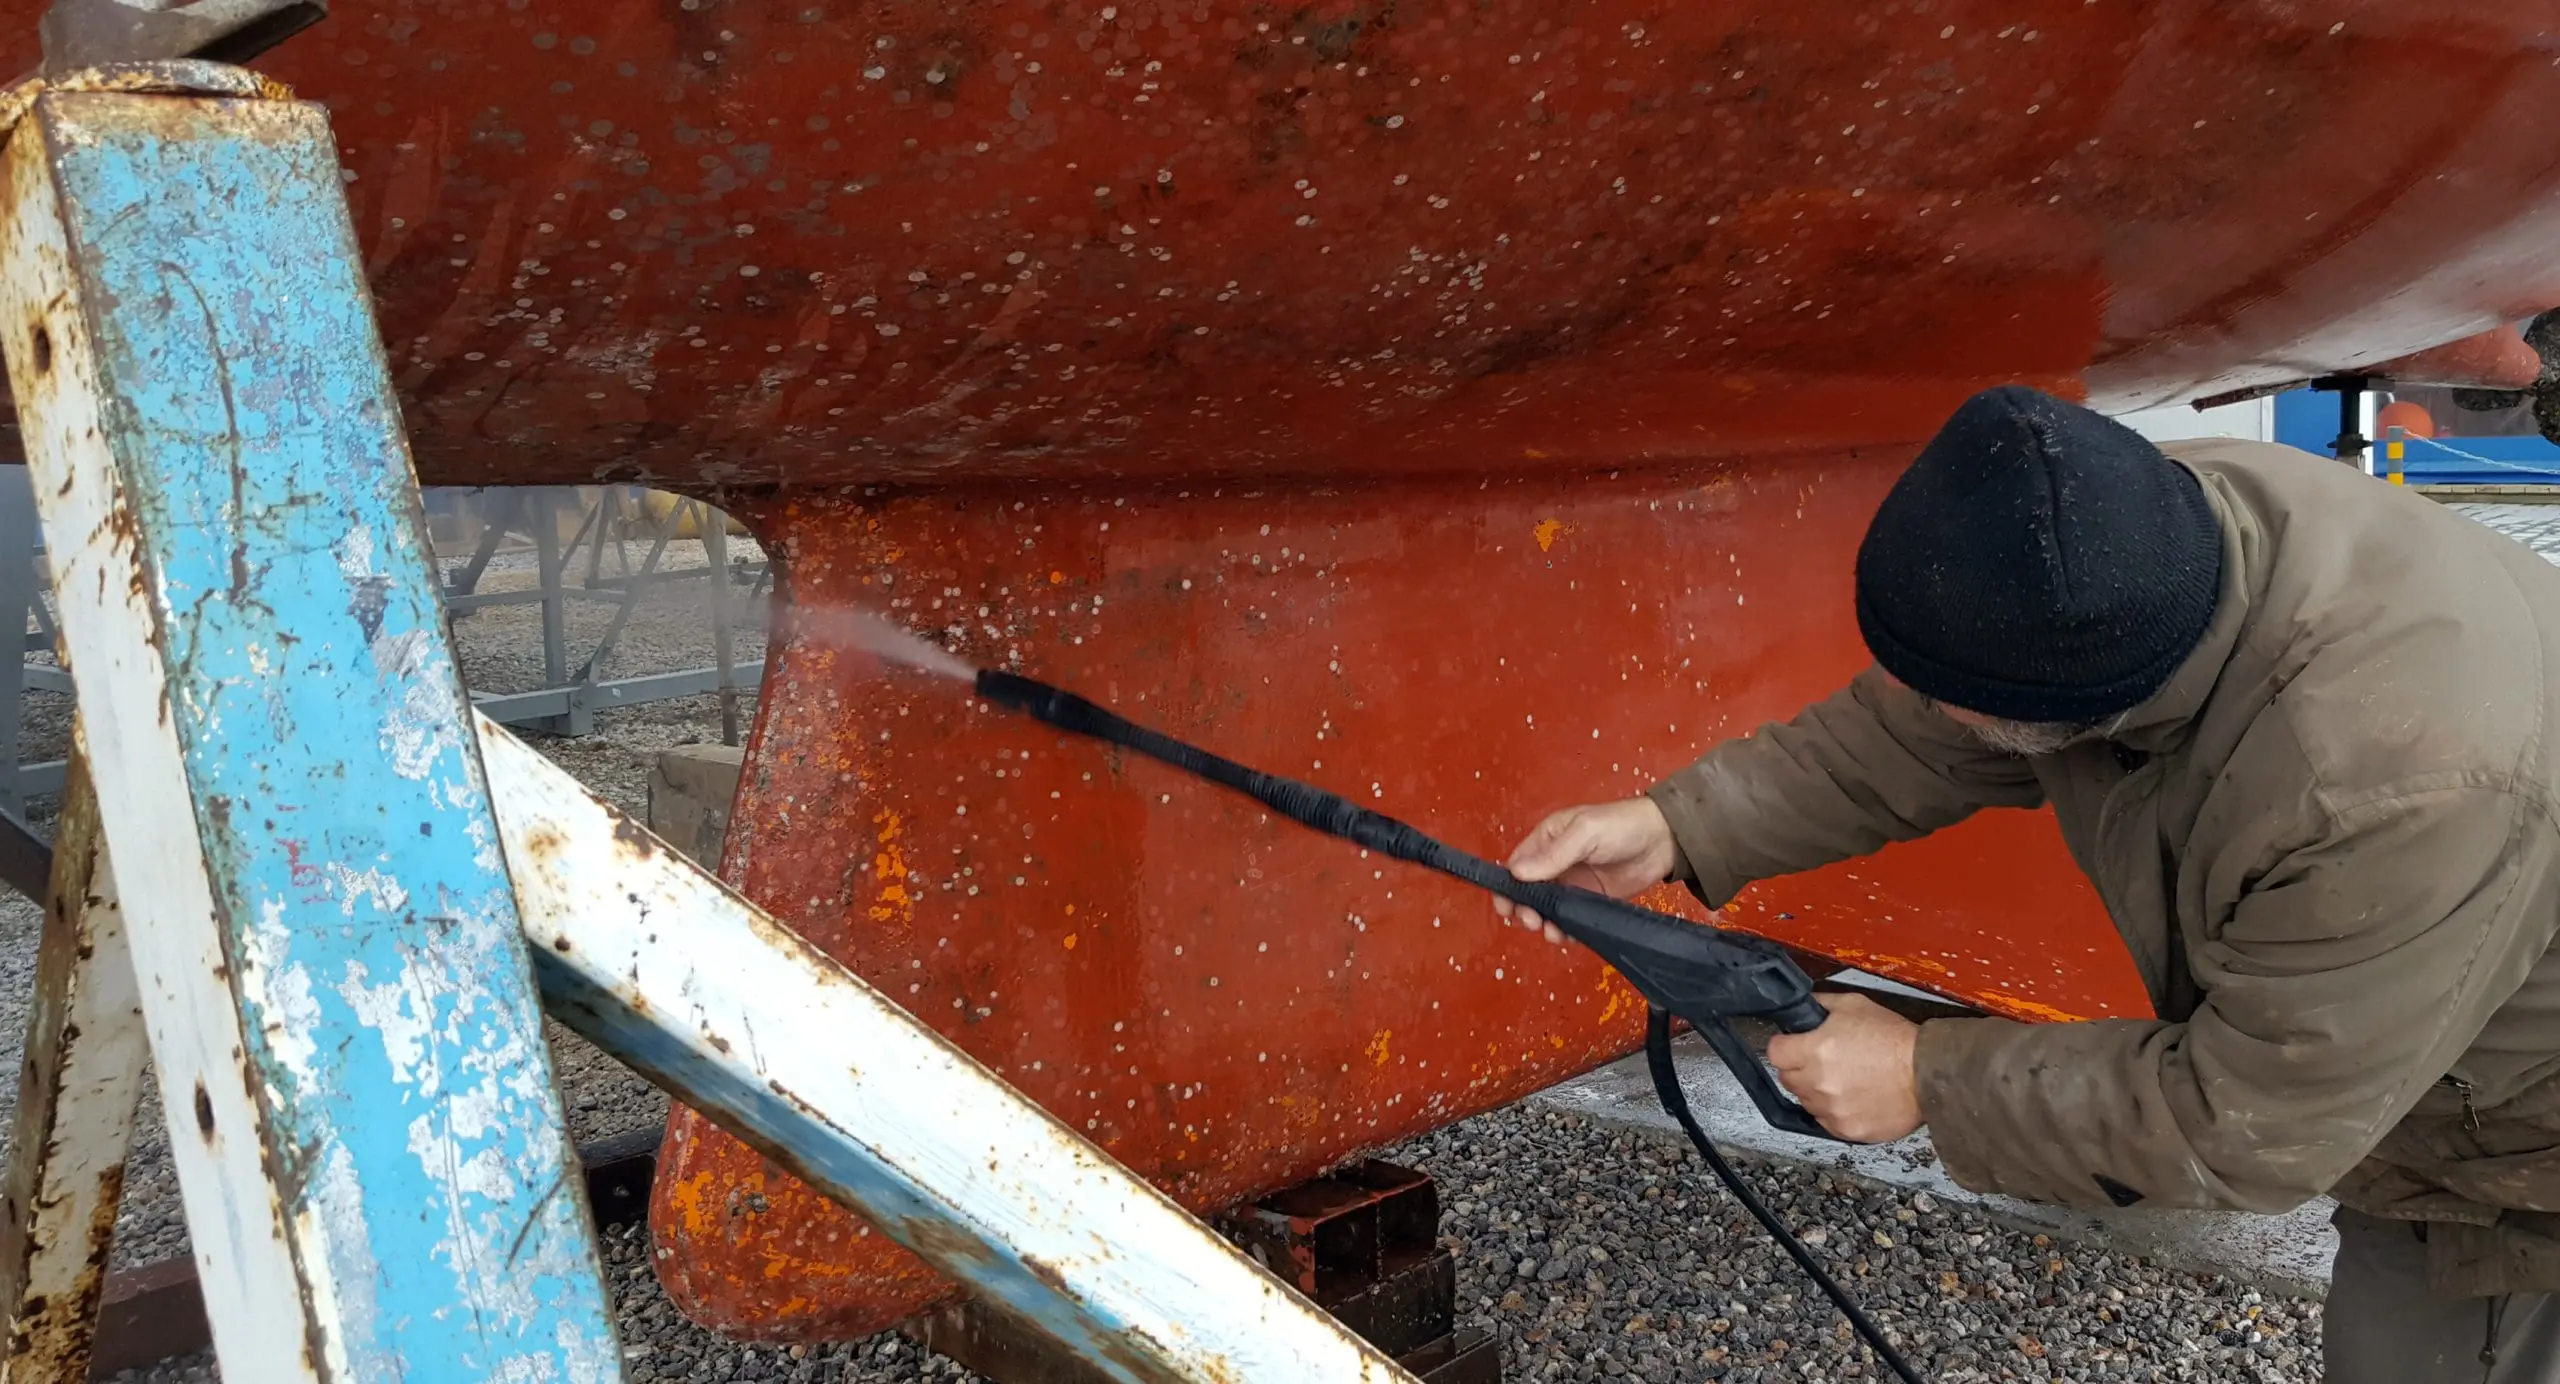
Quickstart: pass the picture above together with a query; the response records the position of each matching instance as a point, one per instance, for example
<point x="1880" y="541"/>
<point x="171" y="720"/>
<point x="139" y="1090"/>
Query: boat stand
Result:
<point x="331" y="902"/>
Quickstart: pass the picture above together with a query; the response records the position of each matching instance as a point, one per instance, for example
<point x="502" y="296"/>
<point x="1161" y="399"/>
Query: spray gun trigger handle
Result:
<point x="1774" y="1105"/>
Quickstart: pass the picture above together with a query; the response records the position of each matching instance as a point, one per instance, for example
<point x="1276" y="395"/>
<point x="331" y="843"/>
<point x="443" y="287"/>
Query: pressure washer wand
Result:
<point x="1702" y="975"/>
<point x="1698" y="973"/>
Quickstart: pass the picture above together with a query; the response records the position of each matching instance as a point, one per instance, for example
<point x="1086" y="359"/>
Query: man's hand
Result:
<point x="1620" y="849"/>
<point x="1856" y="1073"/>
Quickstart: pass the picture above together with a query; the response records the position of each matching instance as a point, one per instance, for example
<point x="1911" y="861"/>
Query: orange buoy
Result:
<point x="2413" y="420"/>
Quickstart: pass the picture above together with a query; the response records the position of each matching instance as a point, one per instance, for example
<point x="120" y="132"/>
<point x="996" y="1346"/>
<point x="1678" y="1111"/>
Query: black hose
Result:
<point x="1695" y="972"/>
<point x="1666" y="1088"/>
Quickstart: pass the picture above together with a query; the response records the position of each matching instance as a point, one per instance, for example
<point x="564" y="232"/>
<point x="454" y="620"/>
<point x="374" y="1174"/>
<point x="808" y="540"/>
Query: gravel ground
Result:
<point x="1591" y="1252"/>
<point x="1594" y="1254"/>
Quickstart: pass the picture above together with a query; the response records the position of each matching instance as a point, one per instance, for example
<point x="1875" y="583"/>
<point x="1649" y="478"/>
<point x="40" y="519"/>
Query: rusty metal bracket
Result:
<point x="1364" y="1243"/>
<point x="86" y="33"/>
<point x="1361" y="1243"/>
<point x="177" y="77"/>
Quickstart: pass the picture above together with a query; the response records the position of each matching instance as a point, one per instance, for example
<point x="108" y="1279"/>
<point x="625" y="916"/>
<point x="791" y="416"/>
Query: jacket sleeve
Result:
<point x="1873" y="763"/>
<point x="2347" y="980"/>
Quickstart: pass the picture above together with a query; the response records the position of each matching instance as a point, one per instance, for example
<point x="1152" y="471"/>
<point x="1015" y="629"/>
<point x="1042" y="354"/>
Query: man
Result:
<point x="2302" y="730"/>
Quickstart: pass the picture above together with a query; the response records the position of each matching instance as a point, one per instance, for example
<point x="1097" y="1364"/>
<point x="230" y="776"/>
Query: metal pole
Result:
<point x="17" y="598"/>
<point x="493" y="533"/>
<point x="553" y="565"/>
<point x="715" y="551"/>
<point x="608" y="523"/>
<point x="542" y="516"/>
<point x="330" y="942"/>
<point x="2350" y="446"/>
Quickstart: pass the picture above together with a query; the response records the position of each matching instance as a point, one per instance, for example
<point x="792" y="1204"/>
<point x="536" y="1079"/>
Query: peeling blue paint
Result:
<point x="411" y="1118"/>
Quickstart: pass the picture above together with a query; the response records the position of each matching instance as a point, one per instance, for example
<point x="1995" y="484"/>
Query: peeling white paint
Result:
<point x="367" y="886"/>
<point x="356" y="556"/>
<point x="418" y="734"/>
<point x="281" y="990"/>
<point x="399" y="1012"/>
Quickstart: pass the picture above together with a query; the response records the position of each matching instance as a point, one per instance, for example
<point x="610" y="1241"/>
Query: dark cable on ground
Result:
<point x="1666" y="1089"/>
<point x="1683" y="969"/>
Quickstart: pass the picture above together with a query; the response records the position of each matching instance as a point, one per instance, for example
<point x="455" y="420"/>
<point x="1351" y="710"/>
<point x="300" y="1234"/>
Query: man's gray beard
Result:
<point x="2027" y="738"/>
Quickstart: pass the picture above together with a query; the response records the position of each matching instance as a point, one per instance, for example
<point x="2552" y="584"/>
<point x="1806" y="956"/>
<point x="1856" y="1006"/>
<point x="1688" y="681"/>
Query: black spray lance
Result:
<point x="1696" y="973"/>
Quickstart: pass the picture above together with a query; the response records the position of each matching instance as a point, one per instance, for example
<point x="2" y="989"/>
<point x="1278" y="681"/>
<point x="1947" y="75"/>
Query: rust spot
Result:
<point x="204" y="1111"/>
<point x="43" y="350"/>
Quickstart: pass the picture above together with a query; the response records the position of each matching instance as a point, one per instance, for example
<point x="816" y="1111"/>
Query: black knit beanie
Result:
<point x="2039" y="562"/>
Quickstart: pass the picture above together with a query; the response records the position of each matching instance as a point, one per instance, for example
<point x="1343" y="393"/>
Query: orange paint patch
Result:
<point x="1547" y="532"/>
<point x="1069" y="941"/>
<point x="1378" y="1047"/>
<point x="1929" y="975"/>
<point x="686" y="1197"/>
<point x="895" y="904"/>
<point x="2010" y="1006"/>
<point x="1618" y="992"/>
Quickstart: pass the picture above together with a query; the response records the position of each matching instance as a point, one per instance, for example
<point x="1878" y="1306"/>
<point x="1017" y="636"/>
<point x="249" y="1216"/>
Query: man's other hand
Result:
<point x="1620" y="849"/>
<point x="1856" y="1073"/>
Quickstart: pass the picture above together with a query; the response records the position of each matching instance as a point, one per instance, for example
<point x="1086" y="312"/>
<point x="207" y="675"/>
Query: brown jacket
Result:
<point x="2330" y="845"/>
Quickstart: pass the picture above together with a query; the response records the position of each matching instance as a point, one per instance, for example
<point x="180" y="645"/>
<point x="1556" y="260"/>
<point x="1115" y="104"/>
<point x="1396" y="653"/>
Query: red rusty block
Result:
<point x="1333" y="1235"/>
<point x="1230" y="1004"/>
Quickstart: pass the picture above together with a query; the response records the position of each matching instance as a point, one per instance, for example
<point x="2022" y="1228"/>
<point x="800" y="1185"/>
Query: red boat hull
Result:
<point x="752" y="242"/>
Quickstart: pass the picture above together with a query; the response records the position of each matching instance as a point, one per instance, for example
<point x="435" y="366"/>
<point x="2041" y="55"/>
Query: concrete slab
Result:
<point x="2537" y="526"/>
<point x="690" y="789"/>
<point x="2289" y="1253"/>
